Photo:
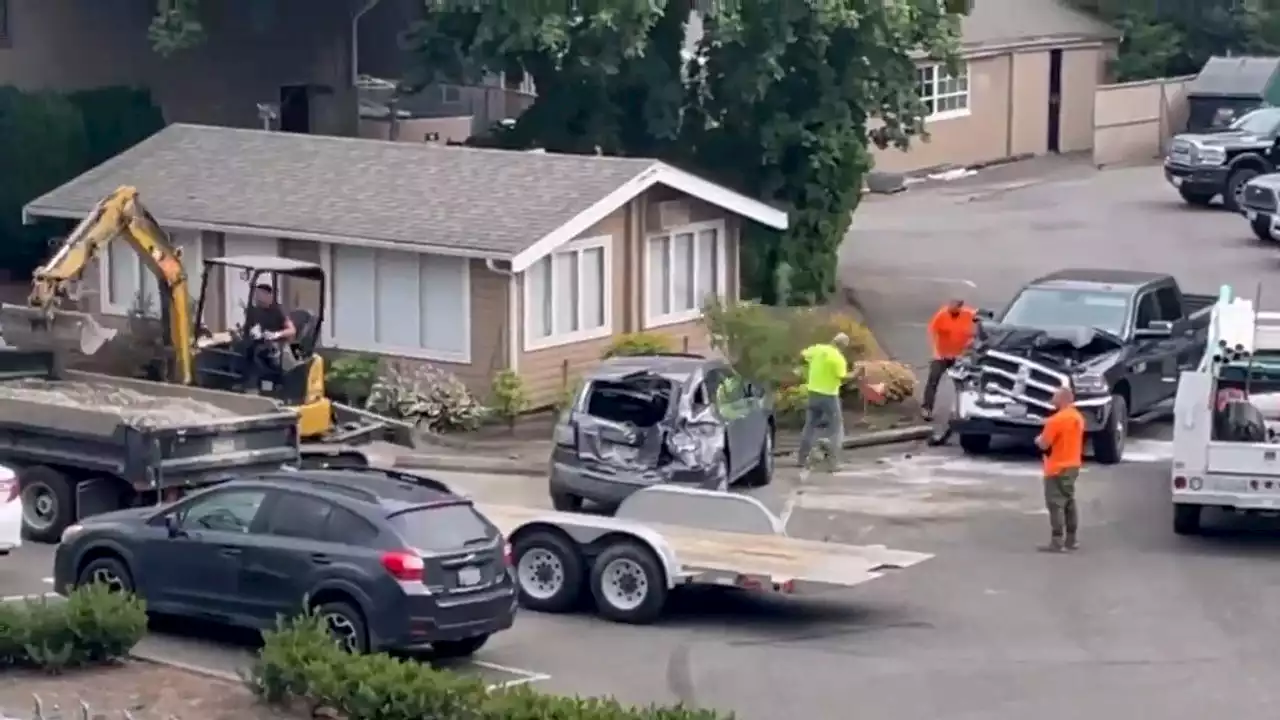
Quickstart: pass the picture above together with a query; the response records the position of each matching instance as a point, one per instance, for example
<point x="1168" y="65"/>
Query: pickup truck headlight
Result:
<point x="1092" y="385"/>
<point x="1212" y="156"/>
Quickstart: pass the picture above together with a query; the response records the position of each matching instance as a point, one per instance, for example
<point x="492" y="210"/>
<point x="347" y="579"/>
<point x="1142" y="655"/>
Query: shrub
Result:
<point x="895" y="381"/>
<point x="299" y="663"/>
<point x="568" y="394"/>
<point x="434" y="400"/>
<point x="509" y="398"/>
<point x="639" y="343"/>
<point x="93" y="626"/>
<point x="350" y="378"/>
<point x="789" y="405"/>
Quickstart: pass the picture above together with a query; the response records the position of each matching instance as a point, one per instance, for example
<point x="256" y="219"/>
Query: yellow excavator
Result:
<point x="228" y="360"/>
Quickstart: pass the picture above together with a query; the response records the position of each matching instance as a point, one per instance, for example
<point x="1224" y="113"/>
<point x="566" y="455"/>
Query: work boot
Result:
<point x="1055" y="546"/>
<point x="1071" y="544"/>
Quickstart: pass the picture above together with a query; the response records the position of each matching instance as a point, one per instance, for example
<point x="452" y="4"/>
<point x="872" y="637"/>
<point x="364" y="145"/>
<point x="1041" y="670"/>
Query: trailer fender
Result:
<point x="592" y="534"/>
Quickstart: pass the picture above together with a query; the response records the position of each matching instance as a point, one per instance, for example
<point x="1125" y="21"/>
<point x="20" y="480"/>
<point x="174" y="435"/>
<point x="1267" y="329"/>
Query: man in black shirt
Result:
<point x="266" y="320"/>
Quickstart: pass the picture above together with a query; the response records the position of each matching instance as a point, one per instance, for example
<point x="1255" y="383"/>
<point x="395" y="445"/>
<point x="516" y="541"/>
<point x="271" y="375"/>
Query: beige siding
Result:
<point x="1009" y="111"/>
<point x="251" y="50"/>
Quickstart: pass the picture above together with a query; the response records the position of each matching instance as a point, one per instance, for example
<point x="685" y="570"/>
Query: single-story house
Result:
<point x="1025" y="85"/>
<point x="475" y="260"/>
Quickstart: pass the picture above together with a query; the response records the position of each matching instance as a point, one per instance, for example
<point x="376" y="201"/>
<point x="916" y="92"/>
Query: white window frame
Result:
<point x="604" y="243"/>
<point x="937" y="75"/>
<point x="331" y="340"/>
<point x="192" y="263"/>
<point x="722" y="281"/>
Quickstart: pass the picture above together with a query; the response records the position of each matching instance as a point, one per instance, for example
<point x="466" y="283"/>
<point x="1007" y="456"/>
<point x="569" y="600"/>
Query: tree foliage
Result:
<point x="780" y="98"/>
<point x="1163" y="38"/>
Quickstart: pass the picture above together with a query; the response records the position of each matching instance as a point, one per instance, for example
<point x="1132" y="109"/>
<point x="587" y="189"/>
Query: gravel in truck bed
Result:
<point x="133" y="407"/>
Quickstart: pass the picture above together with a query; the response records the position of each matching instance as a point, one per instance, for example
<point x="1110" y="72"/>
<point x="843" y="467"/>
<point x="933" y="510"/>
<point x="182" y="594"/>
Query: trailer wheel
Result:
<point x="629" y="584"/>
<point x="1186" y="519"/>
<point x="48" y="503"/>
<point x="549" y="572"/>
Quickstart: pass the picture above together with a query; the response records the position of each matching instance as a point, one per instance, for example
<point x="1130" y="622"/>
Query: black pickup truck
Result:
<point x="84" y="443"/>
<point x="1119" y="338"/>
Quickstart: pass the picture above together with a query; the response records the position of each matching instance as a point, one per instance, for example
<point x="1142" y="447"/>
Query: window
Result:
<point x="442" y="528"/>
<point x="1148" y="310"/>
<point x="234" y="282"/>
<point x="411" y="304"/>
<point x="349" y="528"/>
<point x="126" y="283"/>
<point x="1170" y="304"/>
<point x="299" y="516"/>
<point x="945" y="95"/>
<point x="683" y="267"/>
<point x="231" y="511"/>
<point x="566" y="295"/>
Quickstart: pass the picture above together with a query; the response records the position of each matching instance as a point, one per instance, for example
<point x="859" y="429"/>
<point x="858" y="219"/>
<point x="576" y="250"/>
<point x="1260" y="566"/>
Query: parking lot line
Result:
<point x="525" y="676"/>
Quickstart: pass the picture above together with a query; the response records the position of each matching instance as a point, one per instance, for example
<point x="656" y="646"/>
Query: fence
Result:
<point x="1132" y="122"/>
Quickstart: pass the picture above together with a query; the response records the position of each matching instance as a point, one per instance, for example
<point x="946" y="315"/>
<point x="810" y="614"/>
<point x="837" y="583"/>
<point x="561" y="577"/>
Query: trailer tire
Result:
<point x="1108" y="443"/>
<point x="547" y="559"/>
<point x="48" y="503"/>
<point x="628" y="583"/>
<point x="1186" y="518"/>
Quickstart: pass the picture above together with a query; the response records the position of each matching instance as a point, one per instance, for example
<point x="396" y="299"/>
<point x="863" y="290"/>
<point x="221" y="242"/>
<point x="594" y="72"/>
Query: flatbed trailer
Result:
<point x="665" y="537"/>
<point x="80" y="449"/>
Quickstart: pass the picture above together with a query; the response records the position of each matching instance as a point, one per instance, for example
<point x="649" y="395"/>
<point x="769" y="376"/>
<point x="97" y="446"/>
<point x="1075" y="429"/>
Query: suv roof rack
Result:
<point x="390" y="474"/>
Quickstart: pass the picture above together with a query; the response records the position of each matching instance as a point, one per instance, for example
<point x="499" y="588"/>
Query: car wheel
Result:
<point x="975" y="443"/>
<point x="1262" y="229"/>
<point x="1195" y="198"/>
<point x="629" y="584"/>
<point x="566" y="502"/>
<point x="549" y="572"/>
<point x="762" y="473"/>
<point x="1186" y="519"/>
<point x="346" y="624"/>
<point x="48" y="503"/>
<point x="453" y="649"/>
<point x="110" y="572"/>
<point x="1233" y="196"/>
<point x="1108" y="443"/>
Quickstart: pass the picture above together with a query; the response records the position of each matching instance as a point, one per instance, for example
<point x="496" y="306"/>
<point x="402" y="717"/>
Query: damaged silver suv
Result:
<point x="642" y="420"/>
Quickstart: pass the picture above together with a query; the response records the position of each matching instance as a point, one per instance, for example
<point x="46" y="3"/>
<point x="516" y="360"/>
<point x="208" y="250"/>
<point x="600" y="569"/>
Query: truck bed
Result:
<point x="147" y="433"/>
<point x="778" y="557"/>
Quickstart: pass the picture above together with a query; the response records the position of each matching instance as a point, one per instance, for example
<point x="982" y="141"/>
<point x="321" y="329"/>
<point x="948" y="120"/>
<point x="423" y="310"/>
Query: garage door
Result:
<point x="237" y="287"/>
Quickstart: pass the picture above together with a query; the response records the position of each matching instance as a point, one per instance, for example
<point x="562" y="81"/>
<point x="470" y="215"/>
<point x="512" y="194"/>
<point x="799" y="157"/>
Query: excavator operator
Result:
<point x="265" y="322"/>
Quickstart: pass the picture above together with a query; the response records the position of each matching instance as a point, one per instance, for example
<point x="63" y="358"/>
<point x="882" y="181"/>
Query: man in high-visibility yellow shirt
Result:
<point x="825" y="372"/>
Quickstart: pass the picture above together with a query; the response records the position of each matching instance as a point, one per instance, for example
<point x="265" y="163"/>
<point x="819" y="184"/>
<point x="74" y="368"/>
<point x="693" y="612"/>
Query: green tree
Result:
<point x="780" y="99"/>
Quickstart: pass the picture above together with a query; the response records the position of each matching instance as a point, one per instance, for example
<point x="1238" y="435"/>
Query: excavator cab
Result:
<point x="238" y="359"/>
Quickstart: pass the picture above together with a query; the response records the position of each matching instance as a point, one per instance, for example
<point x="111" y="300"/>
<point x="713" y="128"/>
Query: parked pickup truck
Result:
<point x="1119" y="338"/>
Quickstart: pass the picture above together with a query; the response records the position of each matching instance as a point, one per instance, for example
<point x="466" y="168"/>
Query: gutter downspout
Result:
<point x="513" y="315"/>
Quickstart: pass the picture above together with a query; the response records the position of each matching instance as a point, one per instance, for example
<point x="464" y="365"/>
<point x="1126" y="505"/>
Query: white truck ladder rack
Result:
<point x="1237" y="330"/>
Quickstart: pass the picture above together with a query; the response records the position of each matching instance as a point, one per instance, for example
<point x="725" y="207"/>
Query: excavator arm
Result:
<point x="121" y="216"/>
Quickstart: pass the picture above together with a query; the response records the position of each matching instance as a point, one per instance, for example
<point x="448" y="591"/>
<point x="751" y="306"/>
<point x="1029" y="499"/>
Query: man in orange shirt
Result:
<point x="1062" y="442"/>
<point x="950" y="332"/>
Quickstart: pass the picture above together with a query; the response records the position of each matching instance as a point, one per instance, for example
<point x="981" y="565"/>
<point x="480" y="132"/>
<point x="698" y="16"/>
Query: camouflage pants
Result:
<point x="1060" y="501"/>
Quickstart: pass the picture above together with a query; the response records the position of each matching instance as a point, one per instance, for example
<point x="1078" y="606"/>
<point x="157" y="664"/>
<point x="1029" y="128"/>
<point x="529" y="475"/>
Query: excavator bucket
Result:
<point x="59" y="330"/>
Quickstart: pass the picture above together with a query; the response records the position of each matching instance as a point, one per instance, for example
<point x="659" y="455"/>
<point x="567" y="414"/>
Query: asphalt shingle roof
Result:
<point x="487" y="201"/>
<point x="1002" y="22"/>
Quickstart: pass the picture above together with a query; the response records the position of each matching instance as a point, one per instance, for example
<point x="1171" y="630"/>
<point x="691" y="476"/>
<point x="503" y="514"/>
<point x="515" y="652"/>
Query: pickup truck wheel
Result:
<point x="1233" y="195"/>
<point x="1108" y="443"/>
<point x="975" y="444"/>
<point x="48" y="503"/>
<point x="1195" y="198"/>
<point x="629" y="584"/>
<point x="549" y="572"/>
<point x="762" y="473"/>
<point x="1186" y="519"/>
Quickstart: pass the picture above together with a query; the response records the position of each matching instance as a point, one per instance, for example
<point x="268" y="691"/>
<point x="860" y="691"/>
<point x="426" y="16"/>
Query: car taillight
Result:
<point x="506" y="555"/>
<point x="404" y="565"/>
<point x="566" y="434"/>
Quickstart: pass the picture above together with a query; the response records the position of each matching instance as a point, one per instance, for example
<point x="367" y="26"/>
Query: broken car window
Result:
<point x="642" y="401"/>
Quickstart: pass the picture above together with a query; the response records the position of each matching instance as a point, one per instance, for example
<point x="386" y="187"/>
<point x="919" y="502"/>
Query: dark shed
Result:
<point x="1228" y="87"/>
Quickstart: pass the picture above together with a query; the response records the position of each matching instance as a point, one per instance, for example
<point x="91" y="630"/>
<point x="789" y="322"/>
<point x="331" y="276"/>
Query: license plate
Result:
<point x="1251" y="214"/>
<point x="1177" y="181"/>
<point x="224" y="445"/>
<point x="469" y="576"/>
<point x="1017" y="410"/>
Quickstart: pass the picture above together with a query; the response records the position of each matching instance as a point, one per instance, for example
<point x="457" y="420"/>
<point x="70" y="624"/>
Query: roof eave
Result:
<point x="656" y="174"/>
<point x="32" y="211"/>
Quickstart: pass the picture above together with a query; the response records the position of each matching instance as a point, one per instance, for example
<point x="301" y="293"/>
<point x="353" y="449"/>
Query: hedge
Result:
<point x="300" y="664"/>
<point x="93" y="626"/>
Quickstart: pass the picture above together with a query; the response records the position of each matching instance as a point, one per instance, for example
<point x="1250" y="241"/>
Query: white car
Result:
<point x="10" y="511"/>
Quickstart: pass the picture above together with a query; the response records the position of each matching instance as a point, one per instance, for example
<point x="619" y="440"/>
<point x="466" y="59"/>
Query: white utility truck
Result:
<point x="1227" y="418"/>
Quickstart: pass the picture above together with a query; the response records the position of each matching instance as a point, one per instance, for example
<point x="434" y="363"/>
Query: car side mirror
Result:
<point x="1156" y="328"/>
<point x="171" y="524"/>
<point x="984" y="314"/>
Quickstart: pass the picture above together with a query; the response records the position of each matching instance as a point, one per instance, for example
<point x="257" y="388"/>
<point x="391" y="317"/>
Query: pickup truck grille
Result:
<point x="1024" y="380"/>
<point x="1259" y="198"/>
